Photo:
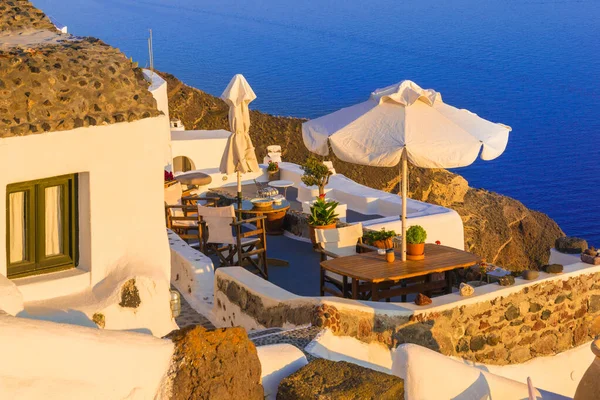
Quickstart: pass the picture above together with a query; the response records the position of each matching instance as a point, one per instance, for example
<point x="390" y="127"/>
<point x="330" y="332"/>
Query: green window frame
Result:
<point x="35" y="261"/>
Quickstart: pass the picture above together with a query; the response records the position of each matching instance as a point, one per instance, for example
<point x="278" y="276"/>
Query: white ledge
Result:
<point x="55" y="284"/>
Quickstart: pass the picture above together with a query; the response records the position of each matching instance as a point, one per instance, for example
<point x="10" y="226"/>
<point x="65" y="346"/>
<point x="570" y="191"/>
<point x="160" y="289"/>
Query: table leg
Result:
<point x="274" y="222"/>
<point x="344" y="285"/>
<point x="428" y="280"/>
<point x="374" y="291"/>
<point x="449" y="281"/>
<point x="355" y="288"/>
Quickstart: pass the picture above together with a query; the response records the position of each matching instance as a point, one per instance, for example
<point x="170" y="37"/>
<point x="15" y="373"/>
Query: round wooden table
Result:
<point x="275" y="214"/>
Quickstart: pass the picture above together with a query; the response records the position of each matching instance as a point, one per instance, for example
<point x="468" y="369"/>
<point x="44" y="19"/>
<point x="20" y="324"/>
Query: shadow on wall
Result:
<point x="480" y="389"/>
<point x="72" y="317"/>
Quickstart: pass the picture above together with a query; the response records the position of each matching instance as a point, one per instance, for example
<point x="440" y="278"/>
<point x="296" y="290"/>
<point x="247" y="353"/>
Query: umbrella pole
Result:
<point x="404" y="197"/>
<point x="239" y="186"/>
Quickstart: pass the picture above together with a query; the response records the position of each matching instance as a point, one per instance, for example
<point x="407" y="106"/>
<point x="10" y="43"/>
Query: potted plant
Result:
<point x="273" y="171"/>
<point x="169" y="179"/>
<point x="322" y="216"/>
<point x="381" y="239"/>
<point x="315" y="174"/>
<point x="415" y="241"/>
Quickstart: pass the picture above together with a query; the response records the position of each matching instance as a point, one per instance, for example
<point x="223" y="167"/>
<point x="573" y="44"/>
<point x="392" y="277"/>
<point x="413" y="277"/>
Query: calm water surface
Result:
<point x="531" y="64"/>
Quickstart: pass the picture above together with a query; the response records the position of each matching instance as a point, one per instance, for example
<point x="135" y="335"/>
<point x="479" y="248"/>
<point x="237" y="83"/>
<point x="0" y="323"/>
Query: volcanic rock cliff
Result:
<point x="498" y="228"/>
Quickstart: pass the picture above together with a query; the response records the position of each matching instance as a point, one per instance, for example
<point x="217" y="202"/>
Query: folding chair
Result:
<point x="242" y="248"/>
<point x="181" y="212"/>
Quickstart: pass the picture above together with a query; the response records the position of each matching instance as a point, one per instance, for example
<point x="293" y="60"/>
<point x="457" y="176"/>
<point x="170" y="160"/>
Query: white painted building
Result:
<point x="78" y="224"/>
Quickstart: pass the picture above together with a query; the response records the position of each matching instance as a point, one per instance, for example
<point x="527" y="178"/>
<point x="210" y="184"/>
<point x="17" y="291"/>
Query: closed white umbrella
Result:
<point x="404" y="122"/>
<point x="239" y="154"/>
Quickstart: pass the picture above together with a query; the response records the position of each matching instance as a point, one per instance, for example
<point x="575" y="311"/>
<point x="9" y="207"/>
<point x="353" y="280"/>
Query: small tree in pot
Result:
<point x="315" y="174"/>
<point x="415" y="241"/>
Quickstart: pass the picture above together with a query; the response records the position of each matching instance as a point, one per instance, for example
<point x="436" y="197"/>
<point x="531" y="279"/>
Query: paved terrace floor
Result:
<point x="301" y="277"/>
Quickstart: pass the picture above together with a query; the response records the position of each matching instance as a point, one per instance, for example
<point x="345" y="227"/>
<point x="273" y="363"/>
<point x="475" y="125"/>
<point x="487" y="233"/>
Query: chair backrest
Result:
<point x="173" y="195"/>
<point x="218" y="221"/>
<point x="340" y="241"/>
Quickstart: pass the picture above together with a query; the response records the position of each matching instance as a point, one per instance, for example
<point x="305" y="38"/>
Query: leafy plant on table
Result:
<point x="373" y="236"/>
<point x="322" y="212"/>
<point x="416" y="235"/>
<point x="273" y="166"/>
<point x="315" y="174"/>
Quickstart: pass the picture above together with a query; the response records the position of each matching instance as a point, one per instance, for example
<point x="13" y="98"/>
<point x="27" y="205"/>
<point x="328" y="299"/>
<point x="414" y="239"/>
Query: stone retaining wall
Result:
<point x="512" y="327"/>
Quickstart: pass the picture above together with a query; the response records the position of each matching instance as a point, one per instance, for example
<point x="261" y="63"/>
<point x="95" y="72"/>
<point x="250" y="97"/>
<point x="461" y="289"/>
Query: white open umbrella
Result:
<point x="404" y="122"/>
<point x="239" y="154"/>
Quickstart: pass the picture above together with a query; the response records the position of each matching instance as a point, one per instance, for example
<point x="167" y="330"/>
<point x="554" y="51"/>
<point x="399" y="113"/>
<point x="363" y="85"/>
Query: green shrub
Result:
<point x="416" y="235"/>
<point x="373" y="236"/>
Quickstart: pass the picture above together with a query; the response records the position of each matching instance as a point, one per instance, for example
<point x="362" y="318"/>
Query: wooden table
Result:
<point x="371" y="272"/>
<point x="275" y="214"/>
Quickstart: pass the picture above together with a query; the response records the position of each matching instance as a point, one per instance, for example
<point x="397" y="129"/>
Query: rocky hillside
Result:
<point x="498" y="228"/>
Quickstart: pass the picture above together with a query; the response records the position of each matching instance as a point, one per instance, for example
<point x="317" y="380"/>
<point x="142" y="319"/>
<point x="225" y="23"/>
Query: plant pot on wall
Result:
<point x="312" y="233"/>
<point x="274" y="175"/>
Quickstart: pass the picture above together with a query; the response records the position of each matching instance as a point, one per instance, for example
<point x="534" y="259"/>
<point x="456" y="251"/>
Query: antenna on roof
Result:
<point x="150" y="52"/>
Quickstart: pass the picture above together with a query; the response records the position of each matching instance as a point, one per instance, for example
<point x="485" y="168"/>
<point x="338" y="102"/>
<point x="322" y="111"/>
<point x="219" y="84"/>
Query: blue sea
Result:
<point x="530" y="64"/>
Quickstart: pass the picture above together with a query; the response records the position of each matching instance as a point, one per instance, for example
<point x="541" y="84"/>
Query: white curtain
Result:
<point x="16" y="222"/>
<point x="53" y="217"/>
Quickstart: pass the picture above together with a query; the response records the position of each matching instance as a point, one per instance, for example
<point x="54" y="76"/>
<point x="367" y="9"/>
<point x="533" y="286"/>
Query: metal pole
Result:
<point x="404" y="197"/>
<point x="151" y="50"/>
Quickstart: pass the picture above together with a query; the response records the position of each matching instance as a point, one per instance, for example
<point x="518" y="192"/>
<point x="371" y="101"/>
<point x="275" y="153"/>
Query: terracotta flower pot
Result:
<point x="274" y="175"/>
<point x="384" y="244"/>
<point x="313" y="235"/>
<point x="415" y="249"/>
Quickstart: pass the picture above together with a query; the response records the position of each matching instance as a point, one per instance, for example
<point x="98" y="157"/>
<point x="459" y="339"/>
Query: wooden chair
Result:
<point x="181" y="212"/>
<point x="336" y="243"/>
<point x="216" y="229"/>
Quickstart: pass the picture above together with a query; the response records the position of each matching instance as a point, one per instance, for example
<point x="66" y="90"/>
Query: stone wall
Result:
<point x="16" y="15"/>
<point x="545" y="318"/>
<point x="266" y="316"/>
<point x="69" y="85"/>
<point x="541" y="320"/>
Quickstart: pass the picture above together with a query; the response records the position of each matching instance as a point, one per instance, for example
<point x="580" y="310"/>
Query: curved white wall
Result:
<point x="158" y="88"/>
<point x="204" y="148"/>
<point x="47" y="360"/>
